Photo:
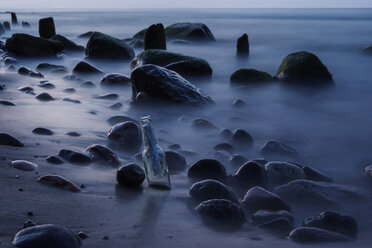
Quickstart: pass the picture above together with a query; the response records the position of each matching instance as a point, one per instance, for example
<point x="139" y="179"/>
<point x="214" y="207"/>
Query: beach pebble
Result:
<point x="82" y="235"/>
<point x="74" y="157"/>
<point x="115" y="106"/>
<point x="54" y="160"/>
<point x="111" y="96"/>
<point x="72" y="78"/>
<point x="44" y="97"/>
<point x="249" y="175"/>
<point x="221" y="210"/>
<point x="174" y="147"/>
<point x="102" y="154"/>
<point x="88" y="84"/>
<point x="316" y="235"/>
<point x="46" y="85"/>
<point x="59" y="181"/>
<point x="115" y="79"/>
<point x="258" y="198"/>
<point x="46" y="28"/>
<point x="68" y="45"/>
<point x="26" y="88"/>
<point x="6" y="103"/>
<point x="242" y="137"/>
<point x="263" y="216"/>
<point x="212" y="189"/>
<point x="24" y="165"/>
<point x="10" y="61"/>
<point x="2" y="86"/>
<point x="46" y="67"/>
<point x="280" y="226"/>
<point x="127" y="136"/>
<point x="73" y="134"/>
<point x="279" y="173"/>
<point x="130" y="175"/>
<point x="67" y="99"/>
<point x="175" y="161"/>
<point x="335" y="222"/>
<point x="69" y="90"/>
<point x="207" y="169"/>
<point x="46" y="236"/>
<point x="85" y="68"/>
<point x="8" y="140"/>
<point x="43" y="131"/>
<point x="119" y="119"/>
<point x="202" y="124"/>
<point x="276" y="147"/>
<point x="28" y="72"/>
<point x="225" y="133"/>
<point x="243" y="77"/>
<point x="224" y="147"/>
<point x="238" y="103"/>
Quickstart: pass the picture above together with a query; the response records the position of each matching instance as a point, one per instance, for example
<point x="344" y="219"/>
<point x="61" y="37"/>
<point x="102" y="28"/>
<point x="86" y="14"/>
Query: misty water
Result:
<point x="331" y="128"/>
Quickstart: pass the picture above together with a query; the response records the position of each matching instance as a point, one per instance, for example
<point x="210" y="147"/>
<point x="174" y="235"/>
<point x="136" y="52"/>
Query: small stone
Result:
<point x="226" y="133"/>
<point x="280" y="226"/>
<point x="315" y="175"/>
<point x="111" y="96"/>
<point x="202" y="124"/>
<point x="82" y="235"/>
<point x="46" y="67"/>
<point x="84" y="68"/>
<point x="115" y="106"/>
<point x="119" y="119"/>
<point x="47" y="85"/>
<point x="238" y="103"/>
<point x="130" y="175"/>
<point x="74" y="157"/>
<point x="67" y="99"/>
<point x="73" y="134"/>
<point x="54" y="160"/>
<point x="42" y="131"/>
<point x="276" y="147"/>
<point x="242" y="137"/>
<point x="72" y="78"/>
<point x="211" y="189"/>
<point x="88" y="84"/>
<point x="175" y="161"/>
<point x="102" y="154"/>
<point x="126" y="135"/>
<point x="8" y="140"/>
<point x="174" y="147"/>
<point x="115" y="79"/>
<point x="237" y="159"/>
<point x="316" y="235"/>
<point x="207" y="169"/>
<point x="249" y="175"/>
<point x="44" y="97"/>
<point x="26" y="88"/>
<point x="242" y="46"/>
<point x="29" y="223"/>
<point x="24" y="165"/>
<point x="28" y="72"/>
<point x="59" y="181"/>
<point x="6" y="103"/>
<point x="30" y="213"/>
<point x="69" y="90"/>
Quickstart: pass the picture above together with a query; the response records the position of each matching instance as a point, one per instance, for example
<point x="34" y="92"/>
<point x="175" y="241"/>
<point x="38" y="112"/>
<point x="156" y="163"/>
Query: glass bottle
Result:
<point x="153" y="157"/>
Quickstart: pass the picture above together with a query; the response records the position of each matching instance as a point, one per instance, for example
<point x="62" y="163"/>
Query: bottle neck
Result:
<point x="148" y="135"/>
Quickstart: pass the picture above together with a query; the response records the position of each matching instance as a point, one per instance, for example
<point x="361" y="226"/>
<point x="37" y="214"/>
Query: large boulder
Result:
<point x="46" y="28"/>
<point x="127" y="136"/>
<point x="250" y="76"/>
<point x="103" y="46"/>
<point x="68" y="45"/>
<point x="190" y="32"/>
<point x="163" y="84"/>
<point x="304" y="68"/>
<point x="186" y="66"/>
<point x="155" y="37"/>
<point x="31" y="46"/>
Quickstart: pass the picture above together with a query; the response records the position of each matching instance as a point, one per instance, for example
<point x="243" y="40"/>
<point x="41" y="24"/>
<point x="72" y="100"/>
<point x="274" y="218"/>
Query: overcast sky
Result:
<point x="35" y="4"/>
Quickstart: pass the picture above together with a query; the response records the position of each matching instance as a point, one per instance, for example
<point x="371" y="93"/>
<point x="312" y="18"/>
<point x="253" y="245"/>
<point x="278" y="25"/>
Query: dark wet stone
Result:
<point x="130" y="175"/>
<point x="202" y="124"/>
<point x="47" y="85"/>
<point x="175" y="161"/>
<point x="6" y="25"/>
<point x="264" y="216"/>
<point x="212" y="189"/>
<point x="25" y="88"/>
<point x="102" y="154"/>
<point x="28" y="72"/>
<point x="6" y="103"/>
<point x="260" y="161"/>
<point x="74" y="157"/>
<point x="59" y="181"/>
<point x="224" y="147"/>
<point x="14" y="18"/>
<point x="72" y="78"/>
<point x="242" y="137"/>
<point x="12" y="68"/>
<point x="249" y="175"/>
<point x="127" y="136"/>
<point x="118" y="119"/>
<point x="322" y="193"/>
<point x="88" y="84"/>
<point x="59" y="71"/>
<point x="111" y="96"/>
<point x="44" y="97"/>
<point x="43" y="131"/>
<point x="226" y="133"/>
<point x="68" y="45"/>
<point x="8" y="140"/>
<point x="54" y="160"/>
<point x="10" y="61"/>
<point x="237" y="159"/>
<point x="281" y="226"/>
<point x="279" y="173"/>
<point x="86" y="35"/>
<point x="46" y="67"/>
<point x="24" y="165"/>
<point x="207" y="169"/>
<point x="69" y="90"/>
<point x="82" y="235"/>
<point x="29" y="223"/>
<point x="2" y="31"/>
<point x="45" y="236"/>
<point x="304" y="68"/>
<point x="190" y="32"/>
<point x="238" y="103"/>
<point x="242" y="46"/>
<point x="155" y="37"/>
<point x="30" y="46"/>
<point x="115" y="79"/>
<point x="315" y="175"/>
<point x="102" y="46"/>
<point x="258" y="198"/>
<point x="250" y="76"/>
<point x="276" y="147"/>
<point x="46" y="28"/>
<point x="316" y="235"/>
<point x="73" y="134"/>
<point x="187" y="152"/>
<point x="334" y="222"/>
<point x="175" y="147"/>
<point x="221" y="210"/>
<point x="67" y="99"/>
<point x="115" y="106"/>
<point x="26" y="24"/>
<point x="85" y="68"/>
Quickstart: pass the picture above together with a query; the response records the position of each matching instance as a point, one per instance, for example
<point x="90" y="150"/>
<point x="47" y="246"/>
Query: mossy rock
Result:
<point x="304" y="68"/>
<point x="250" y="76"/>
<point x="68" y="45"/>
<point x="103" y="46"/>
<point x="31" y="46"/>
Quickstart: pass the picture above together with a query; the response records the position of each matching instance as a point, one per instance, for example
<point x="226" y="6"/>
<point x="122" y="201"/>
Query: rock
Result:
<point x="24" y="165"/>
<point x="84" y="68"/>
<point x="324" y="194"/>
<point x="45" y="236"/>
<point x="237" y="159"/>
<point x="82" y="235"/>
<point x="249" y="175"/>
<point x="135" y="43"/>
<point x="29" y="223"/>
<point x="334" y="222"/>
<point x="8" y="140"/>
<point x="212" y="189"/>
<point x="238" y="103"/>
<point x="273" y="147"/>
<point x="127" y="136"/>
<point x="189" y="31"/>
<point x="175" y="161"/>
<point x="264" y="216"/>
<point x="46" y="28"/>
<point x="42" y="131"/>
<point x="67" y="99"/>
<point x="107" y="96"/>
<point x="2" y="29"/>
<point x="163" y="84"/>
<point x="88" y="84"/>
<point x="155" y="37"/>
<point x="74" y="157"/>
<point x="174" y="147"/>
<point x="316" y="235"/>
<point x="26" y="24"/>
<point x="59" y="181"/>
<point x="202" y="124"/>
<point x="115" y="79"/>
<point x="28" y="72"/>
<point x="30" y="46"/>
<point x="26" y="88"/>
<point x="6" y="103"/>
<point x="118" y="119"/>
<point x="54" y="160"/>
<point x="69" y="90"/>
<point x="279" y="173"/>
<point x="368" y="171"/>
<point x="242" y="137"/>
<point x="46" y="67"/>
<point x="44" y="97"/>
<point x="304" y="68"/>
<point x="6" y="25"/>
<point x="14" y="18"/>
<point x="222" y="156"/>
<point x="130" y="175"/>
<point x="258" y="198"/>
<point x="250" y="76"/>
<point x="10" y="61"/>
<point x="207" y="169"/>
<point x="225" y="133"/>
<point x="186" y="66"/>
<point x="242" y="46"/>
<point x="73" y="134"/>
<point x="224" y="147"/>
<point x="86" y="35"/>
<point x="315" y="175"/>
<point x="221" y="210"/>
<point x="281" y="226"/>
<point x="117" y="105"/>
<point x="68" y="45"/>
<point x="2" y="86"/>
<point x="102" y="46"/>
<point x="72" y="78"/>
<point x="102" y="154"/>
